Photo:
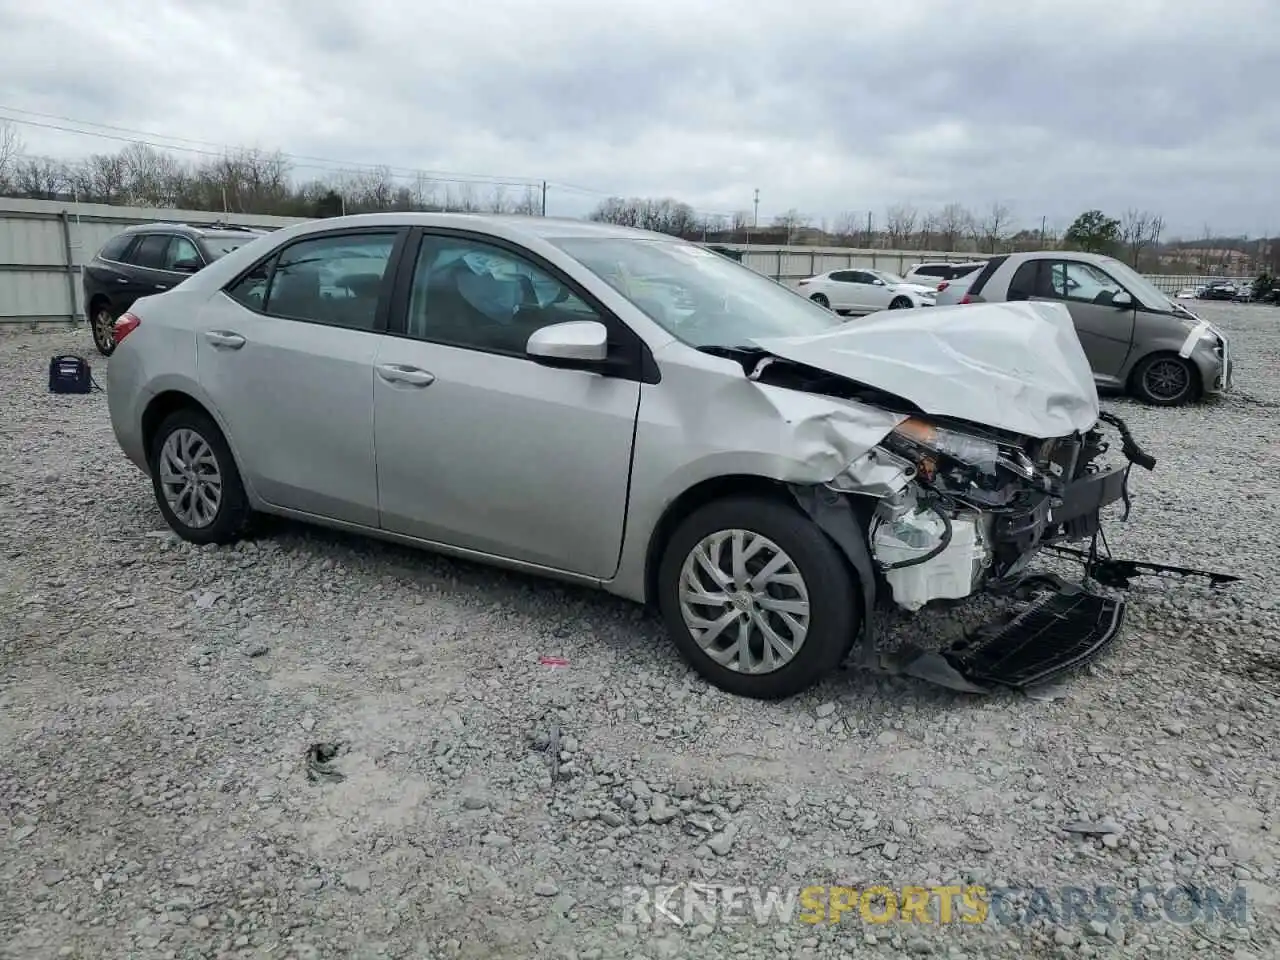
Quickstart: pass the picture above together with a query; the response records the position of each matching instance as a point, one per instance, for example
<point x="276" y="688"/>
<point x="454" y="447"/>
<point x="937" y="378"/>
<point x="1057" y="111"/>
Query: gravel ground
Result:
<point x="157" y="704"/>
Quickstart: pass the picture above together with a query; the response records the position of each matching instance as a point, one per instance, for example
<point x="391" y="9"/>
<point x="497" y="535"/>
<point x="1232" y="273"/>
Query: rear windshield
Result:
<point x="220" y="246"/>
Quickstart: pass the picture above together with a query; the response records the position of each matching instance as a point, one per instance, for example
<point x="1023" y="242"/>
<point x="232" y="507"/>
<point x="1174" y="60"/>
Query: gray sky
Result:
<point x="1048" y="107"/>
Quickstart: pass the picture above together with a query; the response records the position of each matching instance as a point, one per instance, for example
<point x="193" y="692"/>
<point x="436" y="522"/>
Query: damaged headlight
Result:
<point x="925" y="444"/>
<point x="971" y="451"/>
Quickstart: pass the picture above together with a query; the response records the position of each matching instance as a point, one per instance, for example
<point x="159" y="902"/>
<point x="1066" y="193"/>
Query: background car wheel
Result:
<point x="900" y="303"/>
<point x="1166" y="381"/>
<point x="102" y="325"/>
<point x="757" y="598"/>
<point x="195" y="478"/>
<point x="821" y="300"/>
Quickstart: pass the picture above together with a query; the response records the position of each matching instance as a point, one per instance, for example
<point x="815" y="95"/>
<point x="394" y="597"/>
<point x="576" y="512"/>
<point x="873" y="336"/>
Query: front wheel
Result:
<point x="102" y="322"/>
<point x="196" y="482"/>
<point x="1166" y="381"/>
<point x="900" y="303"/>
<point x="757" y="598"/>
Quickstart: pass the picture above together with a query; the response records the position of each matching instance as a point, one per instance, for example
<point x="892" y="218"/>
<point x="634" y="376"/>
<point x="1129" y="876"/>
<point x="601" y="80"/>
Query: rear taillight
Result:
<point x="943" y="285"/>
<point x="966" y="299"/>
<point x="125" y="325"/>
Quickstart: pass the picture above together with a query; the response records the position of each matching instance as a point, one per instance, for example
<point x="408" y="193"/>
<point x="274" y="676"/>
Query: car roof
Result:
<point x="198" y="229"/>
<point x="510" y="226"/>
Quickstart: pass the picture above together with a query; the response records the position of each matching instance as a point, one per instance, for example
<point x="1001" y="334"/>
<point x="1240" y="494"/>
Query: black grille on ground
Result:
<point x="1047" y="637"/>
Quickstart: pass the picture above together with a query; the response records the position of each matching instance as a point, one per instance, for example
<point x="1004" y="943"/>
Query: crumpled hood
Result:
<point x="1013" y="366"/>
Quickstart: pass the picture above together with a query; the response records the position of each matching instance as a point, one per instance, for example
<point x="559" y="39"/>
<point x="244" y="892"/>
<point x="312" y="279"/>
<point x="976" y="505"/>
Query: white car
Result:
<point x="936" y="273"/>
<point x="865" y="291"/>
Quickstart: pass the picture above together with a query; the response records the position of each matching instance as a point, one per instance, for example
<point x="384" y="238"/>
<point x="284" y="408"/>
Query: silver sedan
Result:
<point x="614" y="408"/>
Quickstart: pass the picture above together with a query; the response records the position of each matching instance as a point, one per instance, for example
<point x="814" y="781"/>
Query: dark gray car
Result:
<point x="1137" y="339"/>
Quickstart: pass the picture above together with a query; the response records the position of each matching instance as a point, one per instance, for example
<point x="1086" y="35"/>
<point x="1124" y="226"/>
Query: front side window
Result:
<point x="330" y="280"/>
<point x="699" y="297"/>
<point x="180" y="250"/>
<point x="471" y="294"/>
<point x="150" y="251"/>
<point x="1081" y="282"/>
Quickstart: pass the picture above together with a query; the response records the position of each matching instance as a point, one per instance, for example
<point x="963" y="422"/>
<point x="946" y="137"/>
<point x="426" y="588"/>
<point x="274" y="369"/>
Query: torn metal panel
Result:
<point x="1014" y="366"/>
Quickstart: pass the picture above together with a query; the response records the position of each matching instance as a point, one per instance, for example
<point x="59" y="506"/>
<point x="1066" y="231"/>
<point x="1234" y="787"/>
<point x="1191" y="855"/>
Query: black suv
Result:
<point x="145" y="260"/>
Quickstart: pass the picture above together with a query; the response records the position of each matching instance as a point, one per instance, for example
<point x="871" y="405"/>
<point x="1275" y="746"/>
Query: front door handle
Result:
<point x="225" y="338"/>
<point x="122" y="279"/>
<point x="402" y="373"/>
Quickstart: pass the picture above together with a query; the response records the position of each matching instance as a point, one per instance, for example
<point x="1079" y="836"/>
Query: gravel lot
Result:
<point x="157" y="702"/>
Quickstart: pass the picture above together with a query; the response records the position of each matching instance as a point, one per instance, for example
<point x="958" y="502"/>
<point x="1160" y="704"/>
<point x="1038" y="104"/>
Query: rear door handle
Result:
<point x="122" y="279"/>
<point x="162" y="286"/>
<point x="402" y="373"/>
<point x="225" y="338"/>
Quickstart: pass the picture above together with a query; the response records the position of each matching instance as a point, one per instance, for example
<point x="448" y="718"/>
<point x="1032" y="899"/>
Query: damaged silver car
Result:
<point x="634" y="412"/>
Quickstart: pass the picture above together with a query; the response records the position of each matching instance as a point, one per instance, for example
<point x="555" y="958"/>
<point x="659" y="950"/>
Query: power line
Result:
<point x="214" y="150"/>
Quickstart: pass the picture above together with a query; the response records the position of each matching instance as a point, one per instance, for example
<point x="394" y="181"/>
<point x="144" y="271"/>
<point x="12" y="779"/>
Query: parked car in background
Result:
<point x="933" y="274"/>
<point x="1188" y="293"/>
<point x="858" y="292"/>
<point x="146" y="259"/>
<point x="1137" y="339"/>
<point x="511" y="390"/>
<point x="1219" y="290"/>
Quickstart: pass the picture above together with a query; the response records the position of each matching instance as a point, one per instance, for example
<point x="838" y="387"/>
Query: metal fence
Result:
<point x="44" y="244"/>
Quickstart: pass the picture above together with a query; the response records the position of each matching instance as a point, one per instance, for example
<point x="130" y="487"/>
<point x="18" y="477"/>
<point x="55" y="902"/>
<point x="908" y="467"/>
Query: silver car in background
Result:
<point x="629" y="411"/>
<point x="1137" y="339"/>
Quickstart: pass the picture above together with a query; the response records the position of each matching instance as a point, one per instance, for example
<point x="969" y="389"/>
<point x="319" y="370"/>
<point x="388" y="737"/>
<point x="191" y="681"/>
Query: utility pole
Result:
<point x="544" y="198"/>
<point x="869" y="242"/>
<point x="1043" y="221"/>
<point x="755" y="217"/>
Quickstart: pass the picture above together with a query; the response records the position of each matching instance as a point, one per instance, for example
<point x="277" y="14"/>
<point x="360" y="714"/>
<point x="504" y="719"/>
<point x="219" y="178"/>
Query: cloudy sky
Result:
<point x="1046" y="106"/>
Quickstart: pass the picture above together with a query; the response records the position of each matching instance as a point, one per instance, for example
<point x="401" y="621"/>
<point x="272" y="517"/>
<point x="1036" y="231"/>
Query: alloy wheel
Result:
<point x="744" y="601"/>
<point x="190" y="478"/>
<point x="1167" y="380"/>
<point x="104" y="335"/>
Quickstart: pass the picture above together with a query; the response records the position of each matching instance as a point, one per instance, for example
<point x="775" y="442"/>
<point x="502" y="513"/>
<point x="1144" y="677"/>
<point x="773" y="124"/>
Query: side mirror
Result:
<point x="186" y="266"/>
<point x="1122" y="300"/>
<point x="576" y="344"/>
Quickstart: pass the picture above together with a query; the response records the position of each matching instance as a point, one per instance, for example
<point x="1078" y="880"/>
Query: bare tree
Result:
<point x="924" y="238"/>
<point x="41" y="178"/>
<point x="529" y="205"/>
<point x="992" y="230"/>
<point x="847" y="225"/>
<point x="899" y="224"/>
<point x="1139" y="230"/>
<point x="11" y="148"/>
<point x="953" y="221"/>
<point x="498" y="200"/>
<point x="791" y="221"/>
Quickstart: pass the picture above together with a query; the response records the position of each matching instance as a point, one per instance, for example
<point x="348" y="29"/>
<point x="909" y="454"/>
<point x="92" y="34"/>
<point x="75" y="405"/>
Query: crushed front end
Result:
<point x="961" y="509"/>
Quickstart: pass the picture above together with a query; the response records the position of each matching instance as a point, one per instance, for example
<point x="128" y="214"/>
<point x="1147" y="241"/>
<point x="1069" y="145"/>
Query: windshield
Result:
<point x="221" y="246"/>
<point x="1136" y="283"/>
<point x="887" y="277"/>
<point x="698" y="296"/>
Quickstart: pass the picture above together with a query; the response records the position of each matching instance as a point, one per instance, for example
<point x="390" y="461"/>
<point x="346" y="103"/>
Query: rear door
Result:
<point x="840" y="289"/>
<point x="151" y="260"/>
<point x="1105" y="330"/>
<point x="286" y="354"/>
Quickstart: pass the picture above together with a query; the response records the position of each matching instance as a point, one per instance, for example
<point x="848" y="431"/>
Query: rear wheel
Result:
<point x="821" y="300"/>
<point x="900" y="303"/>
<point x="196" y="482"/>
<point x="102" y="323"/>
<point x="756" y="597"/>
<point x="1166" y="381"/>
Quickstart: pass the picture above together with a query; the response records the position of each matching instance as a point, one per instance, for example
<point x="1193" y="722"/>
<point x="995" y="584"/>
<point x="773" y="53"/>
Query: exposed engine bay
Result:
<point x="943" y="509"/>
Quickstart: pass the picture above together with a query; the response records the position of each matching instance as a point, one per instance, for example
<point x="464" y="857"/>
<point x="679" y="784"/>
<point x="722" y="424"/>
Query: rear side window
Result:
<point x="992" y="265"/>
<point x="1023" y="284"/>
<point x="114" y="248"/>
<point x="938" y="271"/>
<point x="965" y="269"/>
<point x="151" y="250"/>
<point x="843" y="276"/>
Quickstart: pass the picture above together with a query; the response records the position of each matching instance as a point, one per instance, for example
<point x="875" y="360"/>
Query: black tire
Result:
<point x="233" y="511"/>
<point x="834" y="600"/>
<point x="1166" y="380"/>
<point x="900" y="303"/>
<point x="821" y="300"/>
<point x="101" y="325"/>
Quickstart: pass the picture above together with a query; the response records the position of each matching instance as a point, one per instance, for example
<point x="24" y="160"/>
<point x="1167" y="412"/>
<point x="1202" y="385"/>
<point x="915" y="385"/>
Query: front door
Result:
<point x="480" y="447"/>
<point x="1105" y="330"/>
<point x="286" y="356"/>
